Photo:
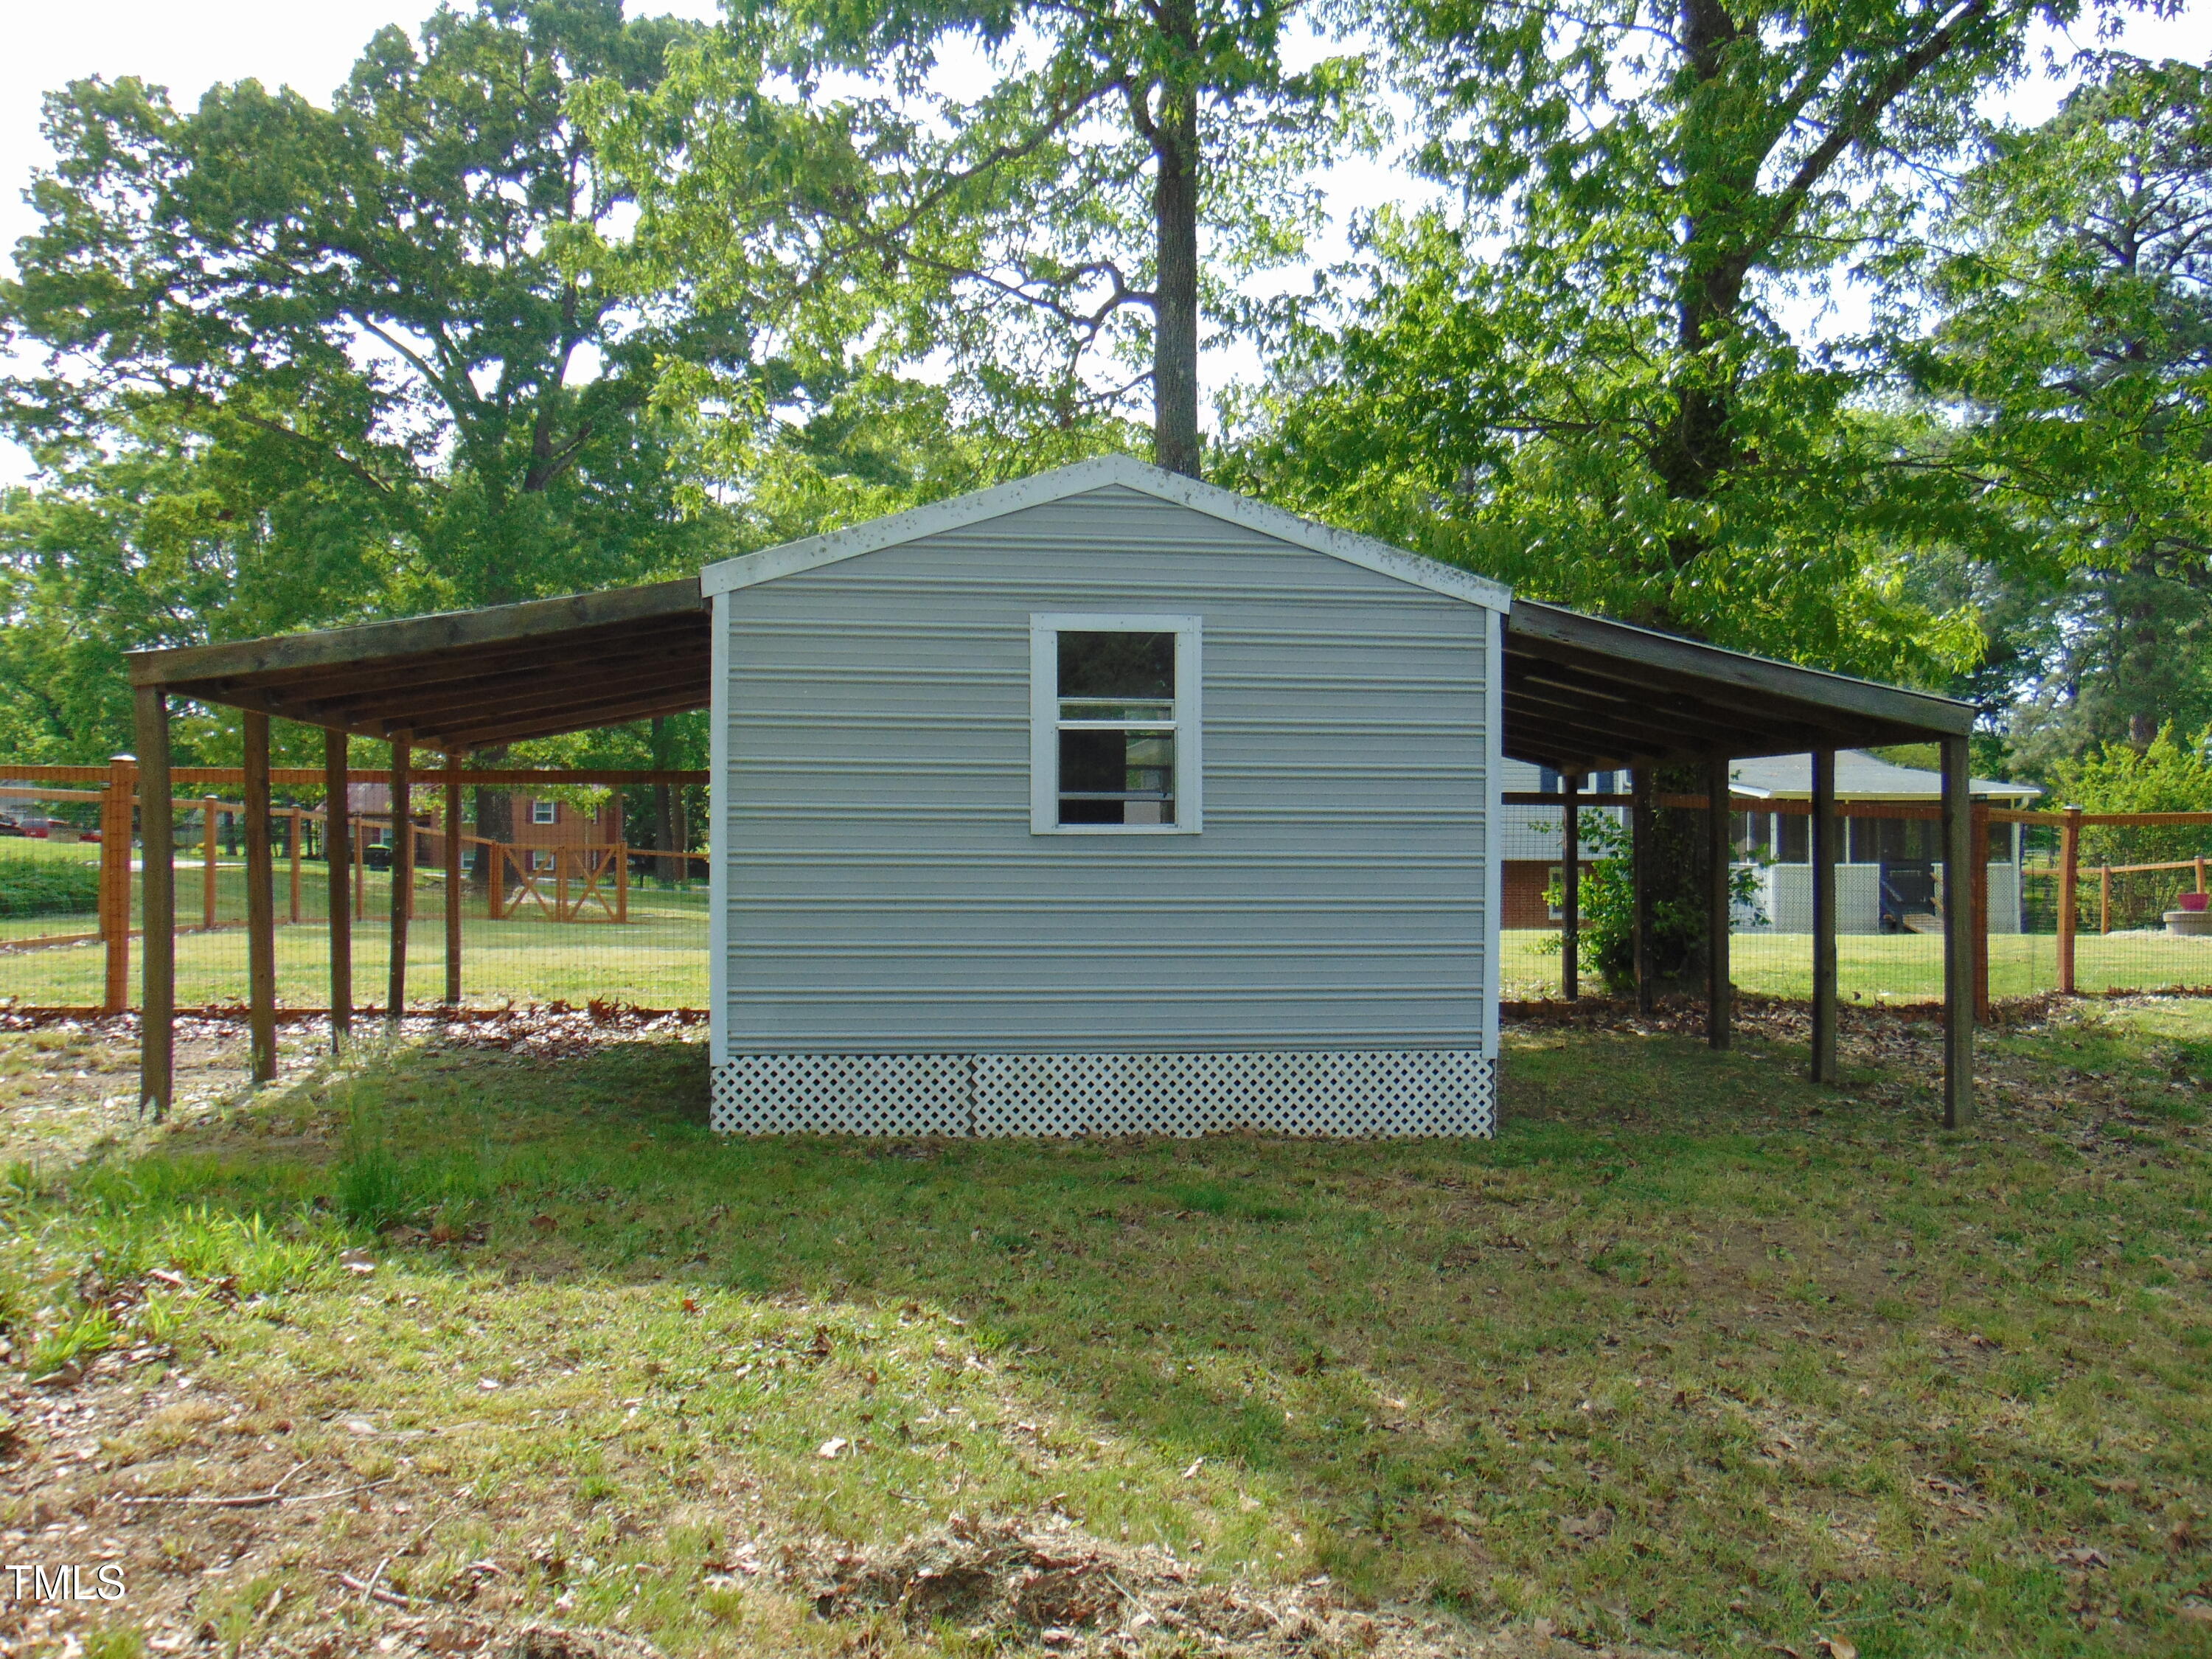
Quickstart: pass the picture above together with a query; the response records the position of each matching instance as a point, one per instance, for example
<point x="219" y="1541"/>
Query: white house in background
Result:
<point x="1530" y="843"/>
<point x="1887" y="867"/>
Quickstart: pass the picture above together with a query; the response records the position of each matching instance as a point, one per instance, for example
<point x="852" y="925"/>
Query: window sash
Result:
<point x="1050" y="715"/>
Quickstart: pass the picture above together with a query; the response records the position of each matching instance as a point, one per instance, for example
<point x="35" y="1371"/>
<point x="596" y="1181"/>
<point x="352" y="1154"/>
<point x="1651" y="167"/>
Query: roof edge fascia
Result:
<point x="1080" y="478"/>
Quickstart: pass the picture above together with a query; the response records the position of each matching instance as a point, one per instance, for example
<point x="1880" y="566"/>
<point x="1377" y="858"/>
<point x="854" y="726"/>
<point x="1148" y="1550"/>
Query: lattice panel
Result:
<point x="1419" y="1091"/>
<point x="842" y="1094"/>
<point x="1423" y="1091"/>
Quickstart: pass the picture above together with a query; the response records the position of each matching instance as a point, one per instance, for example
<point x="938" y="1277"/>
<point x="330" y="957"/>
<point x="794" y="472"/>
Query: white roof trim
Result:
<point x="1081" y="477"/>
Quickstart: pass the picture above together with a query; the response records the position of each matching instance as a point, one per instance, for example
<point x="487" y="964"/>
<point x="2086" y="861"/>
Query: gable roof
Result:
<point x="1080" y="478"/>
<point x="1859" y="776"/>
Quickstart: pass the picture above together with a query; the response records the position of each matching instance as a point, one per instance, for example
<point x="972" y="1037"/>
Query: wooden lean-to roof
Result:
<point x="1581" y="693"/>
<point x="467" y="679"/>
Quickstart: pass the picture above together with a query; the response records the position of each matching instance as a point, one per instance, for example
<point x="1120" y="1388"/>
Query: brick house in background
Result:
<point x="540" y="825"/>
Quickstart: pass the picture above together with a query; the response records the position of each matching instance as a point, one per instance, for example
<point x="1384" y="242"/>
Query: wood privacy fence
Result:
<point x="574" y="883"/>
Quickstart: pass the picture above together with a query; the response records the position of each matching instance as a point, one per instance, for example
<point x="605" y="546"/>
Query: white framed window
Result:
<point x="1113" y="724"/>
<point x="544" y="811"/>
<point x="541" y="858"/>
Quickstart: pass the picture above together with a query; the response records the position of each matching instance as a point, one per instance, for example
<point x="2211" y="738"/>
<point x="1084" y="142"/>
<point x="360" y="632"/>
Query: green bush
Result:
<point x="48" y="887"/>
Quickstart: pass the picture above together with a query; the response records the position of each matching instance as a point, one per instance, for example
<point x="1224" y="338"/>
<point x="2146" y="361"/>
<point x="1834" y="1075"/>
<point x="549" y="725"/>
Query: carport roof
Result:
<point x="1581" y="693"/>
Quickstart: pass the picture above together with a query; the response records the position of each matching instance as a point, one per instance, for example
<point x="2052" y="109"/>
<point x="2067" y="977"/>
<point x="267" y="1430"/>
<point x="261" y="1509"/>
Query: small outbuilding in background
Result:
<point x="1104" y="802"/>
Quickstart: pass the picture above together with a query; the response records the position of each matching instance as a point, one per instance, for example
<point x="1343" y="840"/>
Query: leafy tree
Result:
<point x="406" y="293"/>
<point x="1583" y="383"/>
<point x="2074" y="330"/>
<point x="2170" y="774"/>
<point x="1047" y="229"/>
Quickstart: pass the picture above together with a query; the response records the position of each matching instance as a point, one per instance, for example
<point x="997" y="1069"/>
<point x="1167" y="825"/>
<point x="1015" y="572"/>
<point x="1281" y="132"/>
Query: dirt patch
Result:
<point x="1044" y="1581"/>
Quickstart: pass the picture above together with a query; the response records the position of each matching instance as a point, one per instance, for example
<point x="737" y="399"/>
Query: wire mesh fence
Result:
<point x="562" y="917"/>
<point x="579" y="915"/>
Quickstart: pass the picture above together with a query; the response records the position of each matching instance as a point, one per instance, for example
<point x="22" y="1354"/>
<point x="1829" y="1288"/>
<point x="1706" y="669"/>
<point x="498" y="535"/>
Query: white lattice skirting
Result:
<point x="1360" y="1093"/>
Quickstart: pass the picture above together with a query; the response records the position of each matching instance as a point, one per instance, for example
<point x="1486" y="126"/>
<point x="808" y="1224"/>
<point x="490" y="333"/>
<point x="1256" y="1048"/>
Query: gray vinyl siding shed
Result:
<point x="881" y="890"/>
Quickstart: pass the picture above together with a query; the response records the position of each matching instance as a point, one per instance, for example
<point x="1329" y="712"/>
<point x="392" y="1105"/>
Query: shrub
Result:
<point x="1608" y="901"/>
<point x="48" y="887"/>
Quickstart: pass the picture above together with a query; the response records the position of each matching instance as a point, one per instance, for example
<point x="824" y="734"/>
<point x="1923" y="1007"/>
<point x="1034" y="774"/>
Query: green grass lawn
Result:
<point x="1694" y="1355"/>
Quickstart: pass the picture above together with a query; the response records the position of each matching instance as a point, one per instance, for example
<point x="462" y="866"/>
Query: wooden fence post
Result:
<point x="1641" y="852"/>
<point x="622" y="881"/>
<point x="115" y="880"/>
<point x="208" y="813"/>
<point x="297" y="822"/>
<point x="2200" y="872"/>
<point x="2105" y="899"/>
<point x="2069" y="884"/>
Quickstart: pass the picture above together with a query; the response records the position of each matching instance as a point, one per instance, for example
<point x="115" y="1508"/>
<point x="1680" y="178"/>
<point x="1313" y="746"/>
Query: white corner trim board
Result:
<point x="1106" y="471"/>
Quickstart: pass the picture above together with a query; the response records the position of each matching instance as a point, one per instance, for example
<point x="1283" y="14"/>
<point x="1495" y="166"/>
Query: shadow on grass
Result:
<point x="1662" y="1348"/>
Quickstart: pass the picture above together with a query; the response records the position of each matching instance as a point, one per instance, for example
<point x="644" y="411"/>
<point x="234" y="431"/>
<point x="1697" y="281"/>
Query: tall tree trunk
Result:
<point x="1175" y="443"/>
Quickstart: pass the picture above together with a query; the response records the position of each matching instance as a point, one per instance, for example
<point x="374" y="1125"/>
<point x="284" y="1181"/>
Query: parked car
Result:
<point x="9" y="826"/>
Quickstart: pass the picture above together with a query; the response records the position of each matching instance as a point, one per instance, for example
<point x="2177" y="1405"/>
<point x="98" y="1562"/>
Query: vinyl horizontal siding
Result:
<point x="885" y="891"/>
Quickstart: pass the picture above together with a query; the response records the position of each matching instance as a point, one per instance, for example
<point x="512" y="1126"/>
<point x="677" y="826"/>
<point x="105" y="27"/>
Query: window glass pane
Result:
<point x="1117" y="665"/>
<point x="1796" y="838"/>
<point x="1116" y="777"/>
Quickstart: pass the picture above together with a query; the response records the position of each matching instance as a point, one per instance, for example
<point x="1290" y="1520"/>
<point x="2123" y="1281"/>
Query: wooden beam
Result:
<point x="1641" y="854"/>
<point x="403" y="880"/>
<point x="1570" y="887"/>
<point x="363" y="692"/>
<point x="158" y="899"/>
<point x="516" y="731"/>
<point x="1760" y="678"/>
<point x="337" y="858"/>
<point x="115" y="829"/>
<point x="2069" y="894"/>
<point x="577" y="686"/>
<point x="452" y="882"/>
<point x="1720" y="902"/>
<point x="448" y="631"/>
<point x="1824" y="858"/>
<point x="669" y="637"/>
<point x="260" y="905"/>
<point x="1958" y="938"/>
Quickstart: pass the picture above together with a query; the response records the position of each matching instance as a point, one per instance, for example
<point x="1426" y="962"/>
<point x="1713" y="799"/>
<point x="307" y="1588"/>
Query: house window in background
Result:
<point x="544" y="811"/>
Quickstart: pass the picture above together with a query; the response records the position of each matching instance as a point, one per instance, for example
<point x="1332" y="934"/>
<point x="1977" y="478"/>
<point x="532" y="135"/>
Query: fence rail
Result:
<point x="2083" y="907"/>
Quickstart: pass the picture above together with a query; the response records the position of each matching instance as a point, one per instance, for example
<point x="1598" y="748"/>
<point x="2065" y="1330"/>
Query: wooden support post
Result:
<point x="360" y="871"/>
<point x="339" y="855"/>
<point x="1640" y="853"/>
<point x="402" y="877"/>
<point x="1978" y="893"/>
<point x="209" y="814"/>
<point x="2200" y="872"/>
<point x="2069" y="887"/>
<point x="1570" y="887"/>
<point x="1958" y="938"/>
<point x="1720" y="901"/>
<point x="622" y="881"/>
<point x="452" y="881"/>
<point x="298" y="825"/>
<point x="260" y="903"/>
<point x="1824" y="916"/>
<point x="2105" y="899"/>
<point x="158" y="890"/>
<point x="115" y="880"/>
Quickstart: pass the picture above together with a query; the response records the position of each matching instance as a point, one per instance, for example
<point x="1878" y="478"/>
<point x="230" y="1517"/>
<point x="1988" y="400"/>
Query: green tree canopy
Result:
<point x="407" y="289"/>
<point x="1043" y="237"/>
<point x="1584" y="382"/>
